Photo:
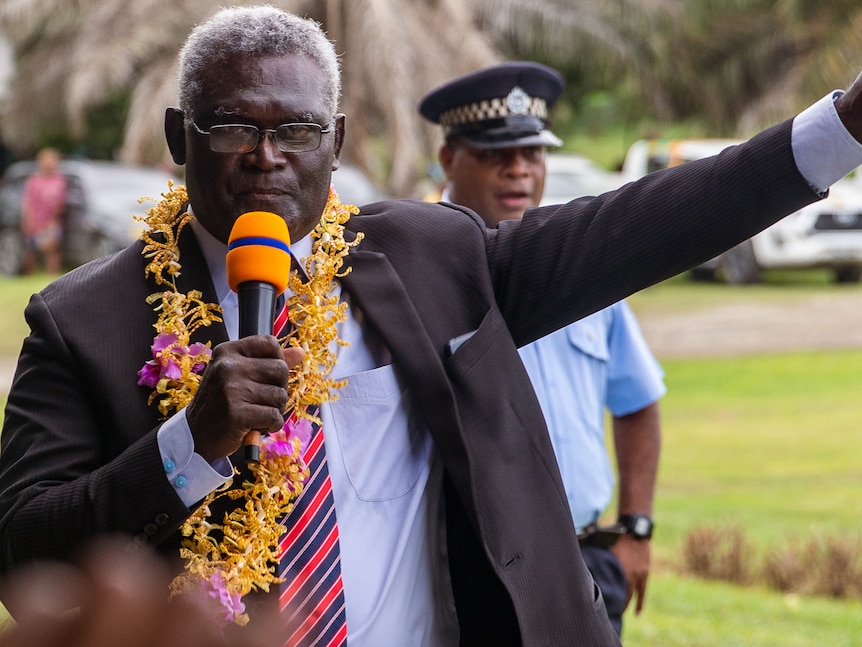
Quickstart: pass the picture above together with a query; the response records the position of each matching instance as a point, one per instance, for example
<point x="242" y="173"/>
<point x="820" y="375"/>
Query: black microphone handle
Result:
<point x="256" y="312"/>
<point x="256" y="308"/>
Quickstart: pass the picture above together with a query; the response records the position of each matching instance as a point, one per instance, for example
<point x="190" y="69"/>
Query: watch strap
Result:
<point x="638" y="525"/>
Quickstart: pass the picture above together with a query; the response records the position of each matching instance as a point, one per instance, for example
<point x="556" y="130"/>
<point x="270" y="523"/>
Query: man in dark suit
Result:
<point x="452" y="519"/>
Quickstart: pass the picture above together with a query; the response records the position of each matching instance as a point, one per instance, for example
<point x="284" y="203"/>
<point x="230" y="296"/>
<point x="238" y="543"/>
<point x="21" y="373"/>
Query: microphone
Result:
<point x="258" y="266"/>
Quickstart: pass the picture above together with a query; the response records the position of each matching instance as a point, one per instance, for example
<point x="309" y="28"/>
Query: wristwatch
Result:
<point x="639" y="526"/>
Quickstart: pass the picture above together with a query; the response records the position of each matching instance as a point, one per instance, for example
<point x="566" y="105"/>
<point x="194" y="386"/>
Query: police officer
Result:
<point x="495" y="127"/>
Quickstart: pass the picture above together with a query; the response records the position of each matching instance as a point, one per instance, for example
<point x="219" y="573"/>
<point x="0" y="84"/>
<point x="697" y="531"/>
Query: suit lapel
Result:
<point x="375" y="287"/>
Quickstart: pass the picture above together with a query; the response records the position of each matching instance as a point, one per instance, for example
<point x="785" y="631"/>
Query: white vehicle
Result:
<point x="827" y="233"/>
<point x="569" y="176"/>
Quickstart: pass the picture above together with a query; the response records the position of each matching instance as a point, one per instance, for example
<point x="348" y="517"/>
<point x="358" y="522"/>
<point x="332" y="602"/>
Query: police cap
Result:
<point x="497" y="107"/>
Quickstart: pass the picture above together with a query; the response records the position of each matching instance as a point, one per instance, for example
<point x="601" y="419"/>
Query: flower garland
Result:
<point x="225" y="561"/>
<point x="174" y="372"/>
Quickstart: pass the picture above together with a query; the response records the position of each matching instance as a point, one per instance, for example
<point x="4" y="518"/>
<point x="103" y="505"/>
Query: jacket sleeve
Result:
<point x="561" y="263"/>
<point x="79" y="455"/>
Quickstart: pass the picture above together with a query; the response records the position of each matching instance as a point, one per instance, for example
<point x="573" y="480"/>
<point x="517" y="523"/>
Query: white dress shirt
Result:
<point x="386" y="482"/>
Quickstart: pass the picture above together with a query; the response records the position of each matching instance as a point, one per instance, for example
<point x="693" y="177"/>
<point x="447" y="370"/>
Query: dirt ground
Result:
<point x="826" y="321"/>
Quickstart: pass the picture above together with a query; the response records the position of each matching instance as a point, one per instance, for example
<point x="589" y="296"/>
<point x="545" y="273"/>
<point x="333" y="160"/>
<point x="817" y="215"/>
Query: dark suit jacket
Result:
<point x="80" y="456"/>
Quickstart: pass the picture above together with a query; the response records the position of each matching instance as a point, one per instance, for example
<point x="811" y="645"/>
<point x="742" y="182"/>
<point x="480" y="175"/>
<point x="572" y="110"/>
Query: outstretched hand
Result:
<point x="243" y="388"/>
<point x="849" y="107"/>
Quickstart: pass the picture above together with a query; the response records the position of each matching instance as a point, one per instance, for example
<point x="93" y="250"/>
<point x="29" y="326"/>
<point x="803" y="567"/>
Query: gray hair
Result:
<point x="261" y="31"/>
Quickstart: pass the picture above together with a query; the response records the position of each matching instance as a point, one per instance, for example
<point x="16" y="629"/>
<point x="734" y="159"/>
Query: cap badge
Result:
<point x="518" y="101"/>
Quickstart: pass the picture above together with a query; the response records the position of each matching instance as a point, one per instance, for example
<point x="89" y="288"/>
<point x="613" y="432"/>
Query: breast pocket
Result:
<point x="385" y="448"/>
<point x="588" y="336"/>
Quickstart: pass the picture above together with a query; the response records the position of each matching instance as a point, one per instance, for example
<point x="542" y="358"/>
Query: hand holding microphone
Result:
<point x="258" y="267"/>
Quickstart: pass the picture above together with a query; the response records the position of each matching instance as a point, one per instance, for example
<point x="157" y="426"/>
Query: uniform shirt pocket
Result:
<point x="589" y="338"/>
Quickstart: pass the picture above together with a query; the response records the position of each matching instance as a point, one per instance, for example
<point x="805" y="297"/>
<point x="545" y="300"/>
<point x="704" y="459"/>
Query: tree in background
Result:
<point x="740" y="65"/>
<point x="71" y="57"/>
<point x="733" y="64"/>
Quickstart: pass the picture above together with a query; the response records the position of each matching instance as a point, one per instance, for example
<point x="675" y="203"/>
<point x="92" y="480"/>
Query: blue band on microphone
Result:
<point x="259" y="240"/>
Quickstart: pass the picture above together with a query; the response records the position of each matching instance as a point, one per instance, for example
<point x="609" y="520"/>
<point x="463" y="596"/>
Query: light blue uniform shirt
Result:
<point x="599" y="363"/>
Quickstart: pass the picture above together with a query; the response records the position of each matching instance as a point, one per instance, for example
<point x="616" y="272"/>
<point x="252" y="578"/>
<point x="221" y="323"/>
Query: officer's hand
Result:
<point x="634" y="557"/>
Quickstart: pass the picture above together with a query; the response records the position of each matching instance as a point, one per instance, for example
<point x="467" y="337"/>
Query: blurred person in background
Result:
<point x="493" y="156"/>
<point x="112" y="597"/>
<point x="42" y="214"/>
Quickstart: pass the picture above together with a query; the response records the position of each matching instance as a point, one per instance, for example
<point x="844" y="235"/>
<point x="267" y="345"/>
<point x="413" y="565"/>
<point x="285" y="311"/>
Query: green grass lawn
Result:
<point x="14" y="294"/>
<point x="686" y="612"/>
<point x="770" y="443"/>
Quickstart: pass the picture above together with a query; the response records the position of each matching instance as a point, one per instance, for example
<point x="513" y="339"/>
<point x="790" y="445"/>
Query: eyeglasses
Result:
<point x="244" y="138"/>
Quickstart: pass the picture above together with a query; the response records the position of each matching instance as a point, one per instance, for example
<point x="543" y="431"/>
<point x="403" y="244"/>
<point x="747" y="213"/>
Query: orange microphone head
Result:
<point x="259" y="250"/>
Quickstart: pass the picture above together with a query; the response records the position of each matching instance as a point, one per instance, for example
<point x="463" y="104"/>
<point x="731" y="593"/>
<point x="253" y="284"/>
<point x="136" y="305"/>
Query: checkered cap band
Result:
<point x="487" y="109"/>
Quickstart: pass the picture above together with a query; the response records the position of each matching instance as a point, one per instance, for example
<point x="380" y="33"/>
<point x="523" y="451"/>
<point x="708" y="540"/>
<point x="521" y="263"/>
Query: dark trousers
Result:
<point x="609" y="576"/>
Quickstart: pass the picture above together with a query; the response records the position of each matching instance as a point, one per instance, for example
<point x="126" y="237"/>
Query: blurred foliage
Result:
<point x="103" y="136"/>
<point x="634" y="68"/>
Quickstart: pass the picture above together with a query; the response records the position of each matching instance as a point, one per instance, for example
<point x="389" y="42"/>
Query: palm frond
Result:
<point x="735" y="63"/>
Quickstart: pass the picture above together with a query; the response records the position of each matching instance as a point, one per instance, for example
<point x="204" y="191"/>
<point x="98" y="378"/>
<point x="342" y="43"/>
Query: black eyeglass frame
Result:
<point x="263" y="132"/>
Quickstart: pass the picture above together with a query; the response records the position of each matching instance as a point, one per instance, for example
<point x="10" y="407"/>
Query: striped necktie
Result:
<point x="312" y="596"/>
<point x="280" y="325"/>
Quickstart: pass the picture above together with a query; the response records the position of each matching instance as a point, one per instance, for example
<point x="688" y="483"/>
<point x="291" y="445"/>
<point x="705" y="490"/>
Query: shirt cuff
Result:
<point x="188" y="472"/>
<point x="823" y="148"/>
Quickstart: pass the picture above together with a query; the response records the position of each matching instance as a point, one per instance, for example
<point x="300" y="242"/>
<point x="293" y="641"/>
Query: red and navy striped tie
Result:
<point x="312" y="596"/>
<point x="280" y="325"/>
